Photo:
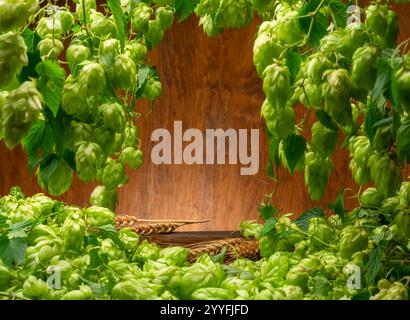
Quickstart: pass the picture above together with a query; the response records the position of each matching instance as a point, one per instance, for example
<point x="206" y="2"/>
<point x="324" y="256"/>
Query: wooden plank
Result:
<point x="190" y="237"/>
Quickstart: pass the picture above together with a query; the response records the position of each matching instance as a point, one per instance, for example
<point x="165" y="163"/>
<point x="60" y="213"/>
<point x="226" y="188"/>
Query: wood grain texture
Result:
<point x="208" y="83"/>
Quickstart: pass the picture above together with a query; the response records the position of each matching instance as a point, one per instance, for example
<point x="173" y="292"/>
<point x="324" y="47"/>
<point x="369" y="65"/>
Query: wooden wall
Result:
<point x="208" y="83"/>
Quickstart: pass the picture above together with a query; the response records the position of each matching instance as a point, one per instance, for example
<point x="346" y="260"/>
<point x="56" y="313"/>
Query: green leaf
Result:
<point x="115" y="7"/>
<point x="51" y="84"/>
<point x="319" y="22"/>
<point x="339" y="13"/>
<point x="326" y="120"/>
<point x="268" y="226"/>
<point x="294" y="148"/>
<point x="142" y="76"/>
<point x="48" y="167"/>
<point x="41" y="137"/>
<point x="382" y="84"/>
<point x="403" y="140"/>
<point x="109" y="231"/>
<point x="12" y="250"/>
<point x="184" y="8"/>
<point x="303" y="220"/>
<point x="338" y="206"/>
<point x="293" y="60"/>
<point x="267" y="211"/>
<point x="372" y="116"/>
<point x="373" y="263"/>
<point x="31" y="39"/>
<point x="220" y="257"/>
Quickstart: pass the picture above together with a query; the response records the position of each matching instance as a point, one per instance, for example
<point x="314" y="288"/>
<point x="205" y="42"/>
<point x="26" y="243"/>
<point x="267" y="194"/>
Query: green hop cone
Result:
<point x="60" y="179"/>
<point x="125" y="72"/>
<point x="276" y="85"/>
<point x="77" y="53"/>
<point x="21" y="109"/>
<point x="317" y="172"/>
<point x="336" y="92"/>
<point x="15" y="13"/>
<point x="129" y="238"/>
<point x="92" y="79"/>
<point x="403" y="89"/>
<point x="101" y="197"/>
<point x="265" y="50"/>
<point x="298" y="276"/>
<point x="383" y="138"/>
<point x="371" y="198"/>
<point x="324" y="140"/>
<point x="130" y="135"/>
<point x="280" y="122"/>
<point x="136" y="51"/>
<point x="73" y="101"/>
<point x="364" y="70"/>
<point x="385" y="173"/>
<point x="152" y="89"/>
<point x="360" y="174"/>
<point x="131" y="157"/>
<point x="315" y="66"/>
<point x="109" y="140"/>
<point x="49" y="27"/>
<point x="99" y="216"/>
<point x="321" y="232"/>
<point x="88" y="159"/>
<point x="376" y="19"/>
<point x="309" y="94"/>
<point x="404" y="194"/>
<point x="113" y="116"/>
<point x="288" y="27"/>
<point x="154" y="33"/>
<point x="113" y="174"/>
<point x="84" y="293"/>
<point x="109" y="48"/>
<point x="165" y="17"/>
<point x="73" y="231"/>
<point x="50" y="49"/>
<point x="360" y="148"/>
<point x="13" y="56"/>
<point x="352" y="240"/>
<point x="102" y="26"/>
<point x="34" y="288"/>
<point x="140" y="17"/>
<point x="403" y="225"/>
<point x="66" y="20"/>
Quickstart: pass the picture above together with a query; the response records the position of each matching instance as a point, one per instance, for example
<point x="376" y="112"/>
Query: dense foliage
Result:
<point x="49" y="250"/>
<point x="70" y="79"/>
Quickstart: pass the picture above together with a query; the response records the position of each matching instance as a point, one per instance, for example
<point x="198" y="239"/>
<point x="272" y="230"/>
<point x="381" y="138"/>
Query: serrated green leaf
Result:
<point x="31" y="39"/>
<point x="294" y="148"/>
<point x="115" y="7"/>
<point x="319" y="22"/>
<point x="373" y="263"/>
<point x="303" y="220"/>
<point x="143" y="73"/>
<point x="267" y="211"/>
<point x="184" y="8"/>
<point x="382" y="85"/>
<point x="338" y="206"/>
<point x="268" y="226"/>
<point x="48" y="167"/>
<point x="109" y="231"/>
<point x="293" y="60"/>
<point x="32" y="143"/>
<point x="326" y="120"/>
<point x="339" y="13"/>
<point x="51" y="84"/>
<point x="12" y="250"/>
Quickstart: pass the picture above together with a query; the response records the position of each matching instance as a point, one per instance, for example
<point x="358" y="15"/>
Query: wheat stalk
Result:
<point x="236" y="248"/>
